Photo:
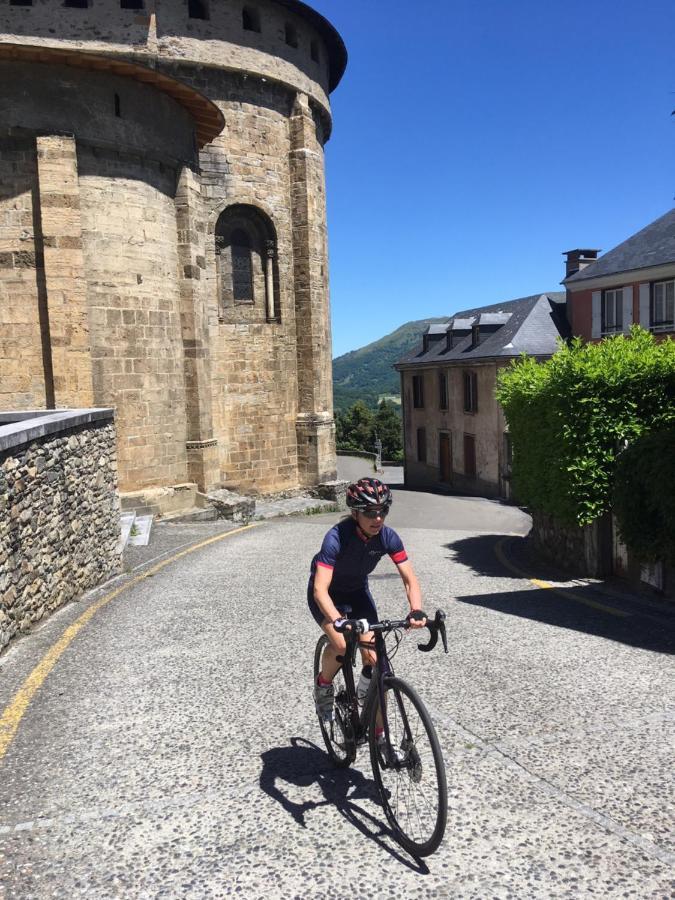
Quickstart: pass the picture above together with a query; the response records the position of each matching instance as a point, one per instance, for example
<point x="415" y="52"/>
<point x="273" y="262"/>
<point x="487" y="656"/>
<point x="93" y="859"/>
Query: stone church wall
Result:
<point x="124" y="208"/>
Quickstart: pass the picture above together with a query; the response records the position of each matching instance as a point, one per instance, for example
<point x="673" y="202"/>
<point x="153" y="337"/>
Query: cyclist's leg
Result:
<point x="336" y="642"/>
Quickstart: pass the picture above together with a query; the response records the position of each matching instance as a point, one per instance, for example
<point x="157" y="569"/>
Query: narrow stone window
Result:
<point x="198" y="9"/>
<point x="76" y="4"/>
<point x="291" y="35"/>
<point x="250" y="19"/>
<point x="314" y="51"/>
<point x="242" y="267"/>
<point x="118" y="107"/>
<point x="131" y="4"/>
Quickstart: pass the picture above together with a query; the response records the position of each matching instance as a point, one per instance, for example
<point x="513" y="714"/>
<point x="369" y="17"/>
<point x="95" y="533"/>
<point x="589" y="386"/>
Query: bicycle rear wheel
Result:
<point x="338" y="735"/>
<point x="413" y="791"/>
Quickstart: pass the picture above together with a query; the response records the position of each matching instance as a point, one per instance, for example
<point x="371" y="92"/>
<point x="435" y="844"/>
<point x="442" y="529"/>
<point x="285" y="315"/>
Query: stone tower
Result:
<point x="163" y="231"/>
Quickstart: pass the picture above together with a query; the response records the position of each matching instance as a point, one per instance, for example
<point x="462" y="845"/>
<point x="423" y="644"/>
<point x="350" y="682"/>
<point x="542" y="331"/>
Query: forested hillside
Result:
<point x="367" y="374"/>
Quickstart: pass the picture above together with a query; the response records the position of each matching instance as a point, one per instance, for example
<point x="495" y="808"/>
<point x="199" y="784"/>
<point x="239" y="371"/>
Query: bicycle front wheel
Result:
<point x="338" y="735"/>
<point x="411" y="778"/>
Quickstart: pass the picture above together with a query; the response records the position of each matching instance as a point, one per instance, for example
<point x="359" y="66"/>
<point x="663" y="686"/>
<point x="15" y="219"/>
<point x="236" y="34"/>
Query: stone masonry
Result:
<point x="59" y="515"/>
<point x="163" y="245"/>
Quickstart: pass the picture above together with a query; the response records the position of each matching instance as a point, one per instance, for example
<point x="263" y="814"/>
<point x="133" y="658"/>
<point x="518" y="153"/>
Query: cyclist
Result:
<point x="339" y="579"/>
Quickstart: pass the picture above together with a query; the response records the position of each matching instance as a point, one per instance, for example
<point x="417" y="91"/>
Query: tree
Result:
<point x="571" y="416"/>
<point x="389" y="431"/>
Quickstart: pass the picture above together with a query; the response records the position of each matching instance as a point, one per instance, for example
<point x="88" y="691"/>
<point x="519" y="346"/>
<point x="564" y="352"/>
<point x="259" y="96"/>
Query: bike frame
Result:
<point x="359" y="718"/>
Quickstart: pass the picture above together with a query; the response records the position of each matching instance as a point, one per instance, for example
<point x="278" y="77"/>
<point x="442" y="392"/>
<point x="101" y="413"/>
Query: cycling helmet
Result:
<point x="367" y="492"/>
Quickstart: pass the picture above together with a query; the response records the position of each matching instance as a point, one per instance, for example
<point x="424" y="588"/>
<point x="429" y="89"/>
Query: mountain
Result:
<point x="367" y="374"/>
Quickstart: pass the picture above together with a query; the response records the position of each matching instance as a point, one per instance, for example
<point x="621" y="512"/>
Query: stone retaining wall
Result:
<point x="59" y="511"/>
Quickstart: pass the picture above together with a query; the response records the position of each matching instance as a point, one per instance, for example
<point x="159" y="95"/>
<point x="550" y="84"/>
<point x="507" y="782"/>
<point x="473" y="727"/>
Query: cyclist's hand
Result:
<point x="417" y="618"/>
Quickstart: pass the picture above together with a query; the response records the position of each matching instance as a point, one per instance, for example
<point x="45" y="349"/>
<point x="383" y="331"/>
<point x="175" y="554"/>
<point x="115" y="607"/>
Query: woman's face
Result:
<point x="369" y="526"/>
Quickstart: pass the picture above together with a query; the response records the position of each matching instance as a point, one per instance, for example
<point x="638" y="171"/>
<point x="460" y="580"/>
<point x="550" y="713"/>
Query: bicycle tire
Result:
<point x="418" y="827"/>
<point x="338" y="734"/>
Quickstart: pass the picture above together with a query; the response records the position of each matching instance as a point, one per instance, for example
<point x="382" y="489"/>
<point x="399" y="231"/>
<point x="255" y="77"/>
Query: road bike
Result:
<point x="408" y="766"/>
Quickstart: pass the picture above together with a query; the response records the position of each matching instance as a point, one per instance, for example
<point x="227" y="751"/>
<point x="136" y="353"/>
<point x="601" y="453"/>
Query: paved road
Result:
<point x="172" y="751"/>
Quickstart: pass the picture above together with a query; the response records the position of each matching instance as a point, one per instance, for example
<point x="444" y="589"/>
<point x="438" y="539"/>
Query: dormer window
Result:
<point x="291" y="35"/>
<point x="475" y="335"/>
<point x="250" y="19"/>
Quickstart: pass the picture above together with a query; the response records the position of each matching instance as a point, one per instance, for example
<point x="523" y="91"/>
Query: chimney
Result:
<point x="576" y="260"/>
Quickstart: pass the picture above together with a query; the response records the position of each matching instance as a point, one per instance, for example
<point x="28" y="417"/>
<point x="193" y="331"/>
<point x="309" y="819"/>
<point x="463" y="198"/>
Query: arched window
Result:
<point x="198" y="9"/>
<point x="250" y="19"/>
<point x="248" y="280"/>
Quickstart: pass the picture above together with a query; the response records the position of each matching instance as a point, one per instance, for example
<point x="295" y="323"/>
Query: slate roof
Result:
<point x="532" y="326"/>
<point x="653" y="246"/>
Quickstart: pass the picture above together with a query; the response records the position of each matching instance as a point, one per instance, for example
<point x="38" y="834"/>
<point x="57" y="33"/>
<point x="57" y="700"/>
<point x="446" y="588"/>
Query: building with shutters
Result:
<point x="454" y="431"/>
<point x="632" y="283"/>
<point x="163" y="245"/>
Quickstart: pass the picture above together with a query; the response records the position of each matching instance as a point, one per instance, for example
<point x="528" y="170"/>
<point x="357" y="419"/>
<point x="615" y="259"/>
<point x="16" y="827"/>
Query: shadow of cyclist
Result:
<point x="303" y="764"/>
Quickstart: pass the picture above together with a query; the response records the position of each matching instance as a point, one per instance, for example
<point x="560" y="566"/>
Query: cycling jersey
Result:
<point x="352" y="557"/>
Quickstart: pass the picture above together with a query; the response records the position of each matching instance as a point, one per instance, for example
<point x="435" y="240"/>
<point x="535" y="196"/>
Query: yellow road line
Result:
<point x="563" y="592"/>
<point x="16" y="709"/>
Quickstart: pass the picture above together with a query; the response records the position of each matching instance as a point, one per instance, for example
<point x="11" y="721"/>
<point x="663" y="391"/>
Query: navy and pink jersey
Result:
<point x="352" y="557"/>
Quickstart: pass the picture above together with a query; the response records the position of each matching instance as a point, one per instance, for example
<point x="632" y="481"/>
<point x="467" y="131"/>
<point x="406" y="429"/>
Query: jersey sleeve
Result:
<point x="330" y="550"/>
<point x="393" y="545"/>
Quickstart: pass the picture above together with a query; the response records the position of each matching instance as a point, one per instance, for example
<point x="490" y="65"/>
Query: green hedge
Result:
<point x="644" y="496"/>
<point x="569" y="417"/>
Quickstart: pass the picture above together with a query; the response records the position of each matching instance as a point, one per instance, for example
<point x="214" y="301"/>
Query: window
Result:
<point x="314" y="51"/>
<point x="242" y="267"/>
<point x="663" y="305"/>
<point x="612" y="311"/>
<point x="470" y="455"/>
<point x="470" y="392"/>
<point x="131" y="4"/>
<point x="421" y="445"/>
<point x="118" y="107"/>
<point x="247" y="271"/>
<point x="442" y="390"/>
<point x="198" y="9"/>
<point x="291" y="35"/>
<point x="418" y="391"/>
<point x="76" y="4"/>
<point x="250" y="19"/>
<point x="20" y="2"/>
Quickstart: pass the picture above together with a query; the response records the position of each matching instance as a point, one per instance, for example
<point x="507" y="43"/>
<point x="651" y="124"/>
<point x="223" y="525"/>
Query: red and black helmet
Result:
<point x="368" y="492"/>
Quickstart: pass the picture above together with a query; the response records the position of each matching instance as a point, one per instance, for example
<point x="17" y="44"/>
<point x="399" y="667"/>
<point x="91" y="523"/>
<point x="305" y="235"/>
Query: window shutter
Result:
<point x="596" y="303"/>
<point x="644" y="306"/>
<point x="627" y="308"/>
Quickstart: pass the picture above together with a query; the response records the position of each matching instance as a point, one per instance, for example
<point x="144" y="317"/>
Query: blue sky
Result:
<point x="474" y="142"/>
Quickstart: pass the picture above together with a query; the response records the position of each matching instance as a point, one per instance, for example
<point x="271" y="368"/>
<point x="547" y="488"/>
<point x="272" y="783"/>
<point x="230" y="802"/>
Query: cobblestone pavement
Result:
<point x="172" y="751"/>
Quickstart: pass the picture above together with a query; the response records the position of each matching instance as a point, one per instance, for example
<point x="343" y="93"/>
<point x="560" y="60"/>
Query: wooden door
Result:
<point x="445" y="457"/>
<point x="469" y="456"/>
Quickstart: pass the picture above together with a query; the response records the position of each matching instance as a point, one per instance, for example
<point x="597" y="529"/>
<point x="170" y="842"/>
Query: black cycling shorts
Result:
<point x="352" y="605"/>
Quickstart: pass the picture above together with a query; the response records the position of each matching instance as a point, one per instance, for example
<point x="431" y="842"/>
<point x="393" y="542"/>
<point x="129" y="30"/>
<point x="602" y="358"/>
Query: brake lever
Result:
<point x="434" y="627"/>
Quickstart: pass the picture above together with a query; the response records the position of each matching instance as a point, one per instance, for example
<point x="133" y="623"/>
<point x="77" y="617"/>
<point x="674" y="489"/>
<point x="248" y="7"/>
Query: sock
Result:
<point x="321" y="682"/>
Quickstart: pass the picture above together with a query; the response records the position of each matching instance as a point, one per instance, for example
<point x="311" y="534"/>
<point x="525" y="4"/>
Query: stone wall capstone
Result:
<point x="59" y="512"/>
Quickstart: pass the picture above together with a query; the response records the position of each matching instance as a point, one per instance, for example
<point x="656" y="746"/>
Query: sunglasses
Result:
<point x="374" y="513"/>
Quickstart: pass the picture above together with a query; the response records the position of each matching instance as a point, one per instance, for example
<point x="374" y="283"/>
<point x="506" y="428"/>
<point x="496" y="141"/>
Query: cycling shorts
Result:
<point x="352" y="605"/>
